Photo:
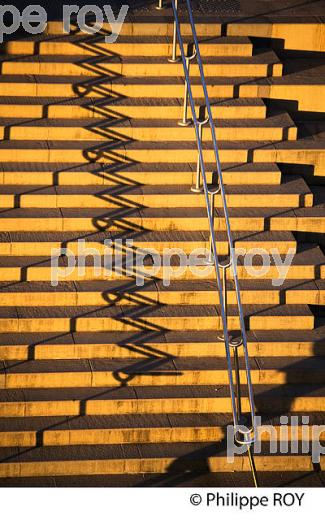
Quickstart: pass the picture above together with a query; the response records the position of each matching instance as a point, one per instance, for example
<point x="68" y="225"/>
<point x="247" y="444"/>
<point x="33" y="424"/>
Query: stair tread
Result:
<point x="29" y="395"/>
<point x="146" y="236"/>
<point x="90" y="146"/>
<point x="143" y="311"/>
<point x="313" y="76"/>
<point x="152" y="366"/>
<point x="80" y="81"/>
<point x="126" y="212"/>
<point x="131" y="422"/>
<point x="142" y="167"/>
<point x="111" y="422"/>
<point x="134" y="39"/>
<point x="271" y="121"/>
<point x="124" y="101"/>
<point x="124" y="367"/>
<point x="315" y="337"/>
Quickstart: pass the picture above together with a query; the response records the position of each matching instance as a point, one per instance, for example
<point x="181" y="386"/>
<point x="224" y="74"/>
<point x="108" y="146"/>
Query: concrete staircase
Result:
<point x="104" y="382"/>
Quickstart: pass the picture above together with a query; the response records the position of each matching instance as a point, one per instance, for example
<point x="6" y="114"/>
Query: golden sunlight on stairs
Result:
<point x="110" y="374"/>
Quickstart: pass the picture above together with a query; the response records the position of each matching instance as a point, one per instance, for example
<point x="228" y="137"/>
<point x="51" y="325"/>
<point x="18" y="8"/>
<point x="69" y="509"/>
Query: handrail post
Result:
<point x="160" y="5"/>
<point x="233" y="342"/>
<point x="184" y="121"/>
<point x="198" y="188"/>
<point x="211" y="258"/>
<point x="224" y="293"/>
<point x="213" y="192"/>
<point x="174" y="58"/>
<point x="224" y="290"/>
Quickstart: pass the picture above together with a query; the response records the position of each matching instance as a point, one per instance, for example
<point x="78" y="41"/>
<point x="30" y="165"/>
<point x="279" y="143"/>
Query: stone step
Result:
<point x="45" y="374"/>
<point x="306" y="264"/>
<point x="304" y="88"/>
<point x="132" y="429"/>
<point x="145" y="46"/>
<point x="127" y="153"/>
<point x="119" y="107"/>
<point x="151" y="219"/>
<point x="147" y="345"/>
<point x="266" y="63"/>
<point x="142" y="316"/>
<point x="275" y="128"/>
<point x="102" y="293"/>
<point x="124" y="400"/>
<point x="171" y="459"/>
<point x="41" y="244"/>
<point x="148" y="174"/>
<point x="293" y="192"/>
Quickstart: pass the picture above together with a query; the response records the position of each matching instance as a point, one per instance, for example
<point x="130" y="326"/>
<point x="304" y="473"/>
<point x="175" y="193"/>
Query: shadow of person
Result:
<point x="189" y="466"/>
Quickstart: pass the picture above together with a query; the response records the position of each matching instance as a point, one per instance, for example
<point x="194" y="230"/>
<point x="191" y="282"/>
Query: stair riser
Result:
<point x="117" y="156"/>
<point x="104" y="89"/>
<point x="163" y="28"/>
<point x="91" y="48"/>
<point x="301" y="224"/>
<point x="131" y="178"/>
<point x="313" y="33"/>
<point x="310" y="97"/>
<point x="45" y="248"/>
<point x="309" y="224"/>
<point x="161" y="134"/>
<point x="155" y="406"/>
<point x="127" y="200"/>
<point x="312" y="297"/>
<point x="116" y="110"/>
<point x="134" y="436"/>
<point x="47" y="274"/>
<point x="103" y="379"/>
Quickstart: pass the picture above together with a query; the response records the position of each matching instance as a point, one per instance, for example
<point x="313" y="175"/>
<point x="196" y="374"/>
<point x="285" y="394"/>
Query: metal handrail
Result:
<point x="244" y="433"/>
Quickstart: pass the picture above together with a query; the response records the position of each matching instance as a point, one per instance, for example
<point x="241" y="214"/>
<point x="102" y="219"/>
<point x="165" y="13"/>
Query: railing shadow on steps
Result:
<point x="107" y="159"/>
<point x="114" y="163"/>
